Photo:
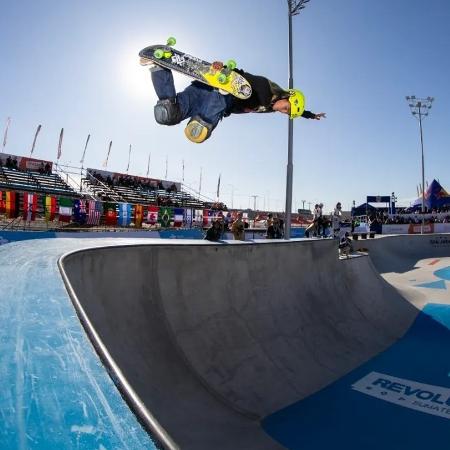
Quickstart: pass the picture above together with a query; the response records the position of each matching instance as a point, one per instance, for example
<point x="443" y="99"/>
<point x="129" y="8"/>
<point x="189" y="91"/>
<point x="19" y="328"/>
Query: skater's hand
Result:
<point x="320" y="115"/>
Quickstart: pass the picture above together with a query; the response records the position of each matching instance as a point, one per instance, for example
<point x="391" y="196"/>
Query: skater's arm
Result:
<point x="311" y="115"/>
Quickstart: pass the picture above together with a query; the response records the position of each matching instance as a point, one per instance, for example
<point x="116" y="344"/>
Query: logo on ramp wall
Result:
<point x="426" y="398"/>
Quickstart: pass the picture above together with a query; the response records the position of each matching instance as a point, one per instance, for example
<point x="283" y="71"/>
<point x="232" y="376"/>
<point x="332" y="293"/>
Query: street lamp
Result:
<point x="420" y="108"/>
<point x="294" y="8"/>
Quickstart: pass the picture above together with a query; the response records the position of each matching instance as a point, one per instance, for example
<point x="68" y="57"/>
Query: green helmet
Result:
<point x="297" y="101"/>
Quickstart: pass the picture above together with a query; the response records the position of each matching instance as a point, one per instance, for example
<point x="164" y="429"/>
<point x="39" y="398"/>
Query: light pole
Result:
<point x="294" y="8"/>
<point x="254" y="201"/>
<point x="419" y="108"/>
<point x="232" y="195"/>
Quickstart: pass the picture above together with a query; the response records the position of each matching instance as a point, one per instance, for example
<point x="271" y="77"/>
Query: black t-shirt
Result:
<point x="264" y="94"/>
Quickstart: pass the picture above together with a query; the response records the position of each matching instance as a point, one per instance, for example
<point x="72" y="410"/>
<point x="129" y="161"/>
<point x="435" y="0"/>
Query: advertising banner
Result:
<point x="24" y="163"/>
<point x="103" y="175"/>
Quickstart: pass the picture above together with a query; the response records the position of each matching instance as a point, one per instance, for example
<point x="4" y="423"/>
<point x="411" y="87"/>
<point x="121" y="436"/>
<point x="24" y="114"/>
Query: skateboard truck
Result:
<point x="224" y="71"/>
<point x="165" y="52"/>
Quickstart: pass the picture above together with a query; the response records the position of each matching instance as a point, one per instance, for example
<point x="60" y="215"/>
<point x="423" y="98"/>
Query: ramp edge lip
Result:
<point x="144" y="416"/>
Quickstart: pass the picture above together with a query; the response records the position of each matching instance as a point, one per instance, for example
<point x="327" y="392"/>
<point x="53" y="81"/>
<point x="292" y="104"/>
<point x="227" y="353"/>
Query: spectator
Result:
<point x="321" y="221"/>
<point x="214" y="232"/>
<point x="269" y="226"/>
<point x="227" y="222"/>
<point x="275" y="230"/>
<point x="345" y="245"/>
<point x="336" y="220"/>
<point x="317" y="213"/>
<point x="238" y="228"/>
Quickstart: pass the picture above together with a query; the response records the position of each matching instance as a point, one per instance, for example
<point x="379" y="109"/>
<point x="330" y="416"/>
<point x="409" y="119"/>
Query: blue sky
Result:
<point x="75" y="65"/>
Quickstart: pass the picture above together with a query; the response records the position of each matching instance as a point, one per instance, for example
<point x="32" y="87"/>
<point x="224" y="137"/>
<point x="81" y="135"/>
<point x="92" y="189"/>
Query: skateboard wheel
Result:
<point x="231" y="64"/>
<point x="167" y="54"/>
<point x="158" y="53"/>
<point x="222" y="78"/>
<point x="171" y="41"/>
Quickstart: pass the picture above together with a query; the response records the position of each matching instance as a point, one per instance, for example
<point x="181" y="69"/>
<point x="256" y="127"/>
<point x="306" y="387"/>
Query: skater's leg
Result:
<point x="208" y="103"/>
<point x="168" y="110"/>
<point x="206" y="107"/>
<point x="162" y="80"/>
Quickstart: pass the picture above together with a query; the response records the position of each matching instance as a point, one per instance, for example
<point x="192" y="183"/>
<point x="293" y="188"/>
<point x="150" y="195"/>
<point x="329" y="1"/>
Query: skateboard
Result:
<point x="218" y="75"/>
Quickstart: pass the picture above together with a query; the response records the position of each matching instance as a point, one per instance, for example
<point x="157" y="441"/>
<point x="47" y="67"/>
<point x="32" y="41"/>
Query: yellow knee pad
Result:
<point x="197" y="130"/>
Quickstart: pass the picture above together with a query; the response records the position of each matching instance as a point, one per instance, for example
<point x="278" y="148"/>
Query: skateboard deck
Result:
<point x="216" y="74"/>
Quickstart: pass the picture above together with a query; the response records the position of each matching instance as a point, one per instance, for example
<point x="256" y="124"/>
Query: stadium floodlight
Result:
<point x="420" y="108"/>
<point x="294" y="8"/>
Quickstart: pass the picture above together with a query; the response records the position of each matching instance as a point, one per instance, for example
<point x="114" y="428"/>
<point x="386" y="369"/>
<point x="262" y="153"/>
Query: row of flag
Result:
<point x="89" y="212"/>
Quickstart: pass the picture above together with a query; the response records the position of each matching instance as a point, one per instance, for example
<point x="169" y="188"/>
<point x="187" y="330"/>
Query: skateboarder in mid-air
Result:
<point x="206" y="106"/>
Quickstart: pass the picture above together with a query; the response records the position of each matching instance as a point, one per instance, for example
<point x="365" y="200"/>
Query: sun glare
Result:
<point x="134" y="78"/>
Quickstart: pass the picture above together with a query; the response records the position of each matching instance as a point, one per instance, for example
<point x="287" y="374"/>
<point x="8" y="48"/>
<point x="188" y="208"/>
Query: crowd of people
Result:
<point x="225" y="223"/>
<point x="407" y="216"/>
<point x="13" y="164"/>
<point x="131" y="182"/>
<point x="9" y="163"/>
<point x="321" y="222"/>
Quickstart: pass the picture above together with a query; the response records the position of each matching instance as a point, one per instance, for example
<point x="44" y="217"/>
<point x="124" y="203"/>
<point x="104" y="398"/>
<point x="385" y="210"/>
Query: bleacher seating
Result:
<point x="52" y="183"/>
<point x="12" y="179"/>
<point x="140" y="195"/>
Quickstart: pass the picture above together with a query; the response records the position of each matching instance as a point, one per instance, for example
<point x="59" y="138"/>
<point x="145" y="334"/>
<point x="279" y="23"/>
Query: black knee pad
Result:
<point x="167" y="112"/>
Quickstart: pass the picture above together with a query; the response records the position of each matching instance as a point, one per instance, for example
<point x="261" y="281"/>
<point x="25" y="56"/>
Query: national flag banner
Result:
<point x="12" y="204"/>
<point x="198" y="217"/>
<point x="79" y="211"/>
<point x="49" y="208"/>
<point x="5" y="136"/>
<point x="29" y="206"/>
<point x="218" y="188"/>
<point x="124" y="217"/>
<point x="129" y="156"/>
<point x="138" y="215"/>
<point x="165" y="215"/>
<point x="85" y="147"/>
<point x="214" y="215"/>
<point x="61" y="134"/>
<point x="110" y="210"/>
<point x="208" y="217"/>
<point x="205" y="217"/>
<point x="65" y="209"/>
<point x="2" y="203"/>
<point x="187" y="217"/>
<point x="178" y="216"/>
<point x="152" y="215"/>
<point x="94" y="212"/>
<point x="105" y="163"/>
<point x="35" y="138"/>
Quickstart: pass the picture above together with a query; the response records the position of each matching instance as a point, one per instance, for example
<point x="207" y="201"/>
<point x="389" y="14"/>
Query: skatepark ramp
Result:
<point x="207" y="340"/>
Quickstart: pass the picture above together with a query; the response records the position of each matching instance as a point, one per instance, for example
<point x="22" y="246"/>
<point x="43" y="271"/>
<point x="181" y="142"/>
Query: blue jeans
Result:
<point x="197" y="99"/>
